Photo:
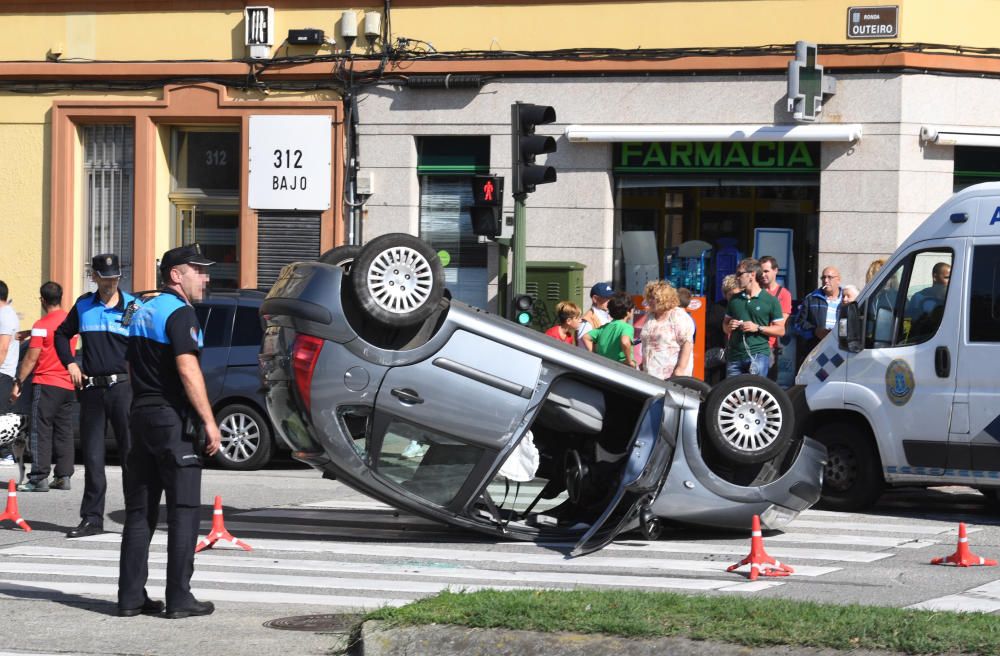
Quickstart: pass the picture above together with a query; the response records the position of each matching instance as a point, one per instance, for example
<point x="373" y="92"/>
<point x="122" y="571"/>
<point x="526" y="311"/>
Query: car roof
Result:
<point x="243" y="297"/>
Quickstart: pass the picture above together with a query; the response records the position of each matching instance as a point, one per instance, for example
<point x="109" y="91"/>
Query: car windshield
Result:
<point x="425" y="463"/>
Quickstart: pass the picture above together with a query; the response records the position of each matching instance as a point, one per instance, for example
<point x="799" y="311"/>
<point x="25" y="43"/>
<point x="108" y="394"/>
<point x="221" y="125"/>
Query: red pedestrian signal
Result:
<point x="487" y="204"/>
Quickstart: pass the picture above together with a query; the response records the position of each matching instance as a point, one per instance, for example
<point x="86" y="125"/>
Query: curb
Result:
<point x="383" y="639"/>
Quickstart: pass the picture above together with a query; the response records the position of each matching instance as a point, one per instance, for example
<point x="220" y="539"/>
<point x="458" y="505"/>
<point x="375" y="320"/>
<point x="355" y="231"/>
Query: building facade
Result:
<point x="674" y="133"/>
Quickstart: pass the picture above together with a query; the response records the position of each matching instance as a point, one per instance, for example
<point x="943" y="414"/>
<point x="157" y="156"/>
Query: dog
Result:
<point x="14" y="431"/>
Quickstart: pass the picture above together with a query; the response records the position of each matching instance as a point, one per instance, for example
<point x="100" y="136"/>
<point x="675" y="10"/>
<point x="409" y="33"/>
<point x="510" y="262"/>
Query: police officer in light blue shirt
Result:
<point x="105" y="394"/>
<point x="168" y="389"/>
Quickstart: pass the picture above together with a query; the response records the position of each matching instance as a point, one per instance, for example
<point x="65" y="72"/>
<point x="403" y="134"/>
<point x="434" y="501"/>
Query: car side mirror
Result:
<point x="850" y="328"/>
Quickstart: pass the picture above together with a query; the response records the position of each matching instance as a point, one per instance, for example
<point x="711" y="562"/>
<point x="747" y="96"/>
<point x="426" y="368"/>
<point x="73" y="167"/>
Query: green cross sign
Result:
<point x="805" y="83"/>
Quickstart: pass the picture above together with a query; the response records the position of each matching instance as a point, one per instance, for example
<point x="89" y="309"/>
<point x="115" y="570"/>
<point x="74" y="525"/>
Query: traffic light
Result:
<point x="523" y="305"/>
<point x="487" y="204"/>
<point x="525" y="145"/>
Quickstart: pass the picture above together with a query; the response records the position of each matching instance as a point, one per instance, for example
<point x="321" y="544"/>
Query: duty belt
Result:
<point x="106" y="381"/>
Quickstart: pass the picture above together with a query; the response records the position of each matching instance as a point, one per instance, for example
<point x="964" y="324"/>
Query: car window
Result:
<point x="247" y="330"/>
<point x="908" y="305"/>
<point x="426" y="463"/>
<point x="213" y="324"/>
<point x="984" y="296"/>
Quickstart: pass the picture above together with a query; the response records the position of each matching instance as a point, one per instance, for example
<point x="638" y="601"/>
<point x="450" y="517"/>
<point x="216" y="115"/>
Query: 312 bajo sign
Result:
<point x="290" y="159"/>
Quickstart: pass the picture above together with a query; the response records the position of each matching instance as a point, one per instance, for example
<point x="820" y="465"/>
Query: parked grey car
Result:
<point x="233" y="332"/>
<point x="375" y="377"/>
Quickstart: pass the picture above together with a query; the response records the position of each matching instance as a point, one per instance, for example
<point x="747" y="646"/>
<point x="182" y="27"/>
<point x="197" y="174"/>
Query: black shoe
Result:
<point x="149" y="607"/>
<point x="84" y="529"/>
<point x="60" y="483"/>
<point x="196" y="608"/>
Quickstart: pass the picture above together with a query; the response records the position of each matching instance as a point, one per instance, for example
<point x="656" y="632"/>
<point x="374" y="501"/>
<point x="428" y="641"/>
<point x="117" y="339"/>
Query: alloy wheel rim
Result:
<point x="750" y="419"/>
<point x="400" y="279"/>
<point x="240" y="437"/>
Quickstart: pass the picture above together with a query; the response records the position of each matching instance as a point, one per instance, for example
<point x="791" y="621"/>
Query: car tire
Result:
<point x="852" y="478"/>
<point x="246" y="438"/>
<point x="748" y="419"/>
<point x="342" y="256"/>
<point x="398" y="280"/>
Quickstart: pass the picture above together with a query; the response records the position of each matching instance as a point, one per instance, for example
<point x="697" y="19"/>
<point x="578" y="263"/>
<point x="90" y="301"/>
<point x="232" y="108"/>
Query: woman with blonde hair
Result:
<point x="667" y="337"/>
<point x="873" y="269"/>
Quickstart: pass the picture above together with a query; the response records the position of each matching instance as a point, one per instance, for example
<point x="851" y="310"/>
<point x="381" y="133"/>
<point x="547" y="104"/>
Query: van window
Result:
<point x="908" y="306"/>
<point x="984" y="297"/>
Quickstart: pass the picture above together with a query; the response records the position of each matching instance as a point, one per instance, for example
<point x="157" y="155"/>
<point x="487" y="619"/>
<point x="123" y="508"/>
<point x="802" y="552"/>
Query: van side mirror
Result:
<point x="850" y="328"/>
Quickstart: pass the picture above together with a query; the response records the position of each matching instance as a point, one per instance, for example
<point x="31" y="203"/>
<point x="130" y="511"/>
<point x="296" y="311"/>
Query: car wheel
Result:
<point x="852" y="478"/>
<point x="748" y="419"/>
<point x="246" y="438"/>
<point x="398" y="280"/>
<point x="342" y="256"/>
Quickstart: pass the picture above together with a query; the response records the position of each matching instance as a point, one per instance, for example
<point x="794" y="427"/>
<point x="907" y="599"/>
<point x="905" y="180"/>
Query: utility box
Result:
<point x="551" y="282"/>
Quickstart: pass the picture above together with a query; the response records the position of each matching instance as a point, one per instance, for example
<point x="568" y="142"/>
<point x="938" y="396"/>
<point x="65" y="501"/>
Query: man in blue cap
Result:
<point x="597" y="315"/>
<point x="105" y="394"/>
<point x="169" y="396"/>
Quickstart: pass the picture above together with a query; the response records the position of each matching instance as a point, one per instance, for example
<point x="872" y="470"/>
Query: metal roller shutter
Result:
<point x="283" y="238"/>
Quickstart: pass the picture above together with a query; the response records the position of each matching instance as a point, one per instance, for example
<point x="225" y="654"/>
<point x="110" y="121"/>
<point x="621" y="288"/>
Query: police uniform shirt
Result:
<point x="105" y="339"/>
<point x="163" y="328"/>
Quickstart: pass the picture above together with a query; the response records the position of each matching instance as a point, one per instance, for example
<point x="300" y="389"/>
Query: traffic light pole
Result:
<point x="518" y="246"/>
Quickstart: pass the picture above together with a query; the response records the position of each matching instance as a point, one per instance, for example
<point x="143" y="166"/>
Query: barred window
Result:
<point x="109" y="169"/>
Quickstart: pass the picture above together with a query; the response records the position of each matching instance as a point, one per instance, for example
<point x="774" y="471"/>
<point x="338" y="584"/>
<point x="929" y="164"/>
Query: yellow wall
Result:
<point x="679" y="23"/>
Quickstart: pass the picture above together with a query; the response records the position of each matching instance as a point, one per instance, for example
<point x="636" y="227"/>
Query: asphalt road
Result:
<point x="319" y="548"/>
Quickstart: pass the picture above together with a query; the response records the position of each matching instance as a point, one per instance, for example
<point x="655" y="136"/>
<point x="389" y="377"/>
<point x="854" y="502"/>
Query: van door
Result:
<point x="975" y="431"/>
<point x="904" y="379"/>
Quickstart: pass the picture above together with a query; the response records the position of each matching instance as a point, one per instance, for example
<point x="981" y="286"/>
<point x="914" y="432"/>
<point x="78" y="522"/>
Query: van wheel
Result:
<point x="246" y="438"/>
<point x="852" y="479"/>
<point x="748" y="419"/>
<point x="398" y="280"/>
<point x="342" y="256"/>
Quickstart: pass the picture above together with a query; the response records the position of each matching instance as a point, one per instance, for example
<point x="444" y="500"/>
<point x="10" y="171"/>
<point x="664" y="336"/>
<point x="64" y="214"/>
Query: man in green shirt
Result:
<point x="753" y="317"/>
<point x="614" y="340"/>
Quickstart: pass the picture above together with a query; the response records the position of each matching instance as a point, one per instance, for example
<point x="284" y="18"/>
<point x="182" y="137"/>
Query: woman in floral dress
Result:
<point x="667" y="337"/>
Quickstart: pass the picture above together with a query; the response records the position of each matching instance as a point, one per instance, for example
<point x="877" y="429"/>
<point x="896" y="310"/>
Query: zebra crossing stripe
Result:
<point x="527" y="578"/>
<point x="788" y="553"/>
<point x="981" y="599"/>
<point x="910" y="529"/>
<point x="62" y="589"/>
<point x="520" y="554"/>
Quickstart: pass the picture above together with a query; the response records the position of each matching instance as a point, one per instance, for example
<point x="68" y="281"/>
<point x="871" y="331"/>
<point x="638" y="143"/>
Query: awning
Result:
<point x="950" y="136"/>
<point x="646" y="133"/>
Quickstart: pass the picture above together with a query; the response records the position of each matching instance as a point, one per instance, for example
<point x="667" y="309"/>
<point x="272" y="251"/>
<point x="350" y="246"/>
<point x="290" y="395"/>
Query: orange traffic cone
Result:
<point x="219" y="531"/>
<point x="11" y="512"/>
<point x="962" y="556"/>
<point x="759" y="561"/>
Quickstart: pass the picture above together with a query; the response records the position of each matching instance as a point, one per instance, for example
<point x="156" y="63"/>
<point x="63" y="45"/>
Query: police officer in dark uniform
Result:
<point x="168" y="392"/>
<point x="103" y="381"/>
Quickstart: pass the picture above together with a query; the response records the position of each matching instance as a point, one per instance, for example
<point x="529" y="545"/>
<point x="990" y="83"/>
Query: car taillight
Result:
<point x="305" y="354"/>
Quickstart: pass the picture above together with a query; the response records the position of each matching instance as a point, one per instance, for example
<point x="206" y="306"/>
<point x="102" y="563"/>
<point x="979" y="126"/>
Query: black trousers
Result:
<point x="51" y="437"/>
<point x="161" y="460"/>
<point x="98" y="405"/>
<point x="6" y="385"/>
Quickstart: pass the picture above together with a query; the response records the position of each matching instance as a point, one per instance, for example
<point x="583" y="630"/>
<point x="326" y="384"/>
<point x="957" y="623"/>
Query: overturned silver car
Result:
<point x="376" y="378"/>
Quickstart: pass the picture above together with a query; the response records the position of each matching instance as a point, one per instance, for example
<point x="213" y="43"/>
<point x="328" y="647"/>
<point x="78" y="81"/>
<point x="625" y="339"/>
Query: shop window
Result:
<point x="205" y="165"/>
<point x="445" y="166"/>
<point x="108" y="170"/>
<point x="974" y="165"/>
<point x="984" y="297"/>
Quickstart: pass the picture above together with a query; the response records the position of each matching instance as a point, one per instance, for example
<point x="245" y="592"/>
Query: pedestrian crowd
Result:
<point x="746" y="330"/>
<point x="140" y="373"/>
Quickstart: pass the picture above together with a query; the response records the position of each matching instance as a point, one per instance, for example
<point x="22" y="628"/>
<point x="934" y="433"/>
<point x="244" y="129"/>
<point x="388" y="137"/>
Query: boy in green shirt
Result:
<point x="753" y="317"/>
<point x="614" y="340"/>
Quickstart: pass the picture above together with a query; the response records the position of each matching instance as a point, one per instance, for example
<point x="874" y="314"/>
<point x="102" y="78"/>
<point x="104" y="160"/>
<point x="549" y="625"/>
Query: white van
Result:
<point x="907" y="392"/>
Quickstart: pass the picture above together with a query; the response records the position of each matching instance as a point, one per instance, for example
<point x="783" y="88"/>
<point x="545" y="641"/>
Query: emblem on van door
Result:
<point x="899" y="382"/>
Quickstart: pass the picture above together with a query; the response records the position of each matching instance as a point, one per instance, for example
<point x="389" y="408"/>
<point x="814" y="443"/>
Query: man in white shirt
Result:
<point x="9" y="351"/>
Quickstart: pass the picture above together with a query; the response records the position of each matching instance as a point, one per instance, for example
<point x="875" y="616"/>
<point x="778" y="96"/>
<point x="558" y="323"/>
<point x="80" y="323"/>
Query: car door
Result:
<point x="975" y="431"/>
<point x="216" y="324"/>
<point x="442" y="419"/>
<point x="903" y="379"/>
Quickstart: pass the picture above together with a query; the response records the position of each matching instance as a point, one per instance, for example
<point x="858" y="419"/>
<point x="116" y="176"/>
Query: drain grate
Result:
<point x="331" y="623"/>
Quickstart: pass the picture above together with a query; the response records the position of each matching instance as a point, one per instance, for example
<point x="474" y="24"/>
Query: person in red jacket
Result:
<point x="51" y="437"/>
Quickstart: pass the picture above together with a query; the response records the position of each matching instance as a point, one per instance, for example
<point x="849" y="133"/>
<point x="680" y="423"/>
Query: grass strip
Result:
<point x="746" y="621"/>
